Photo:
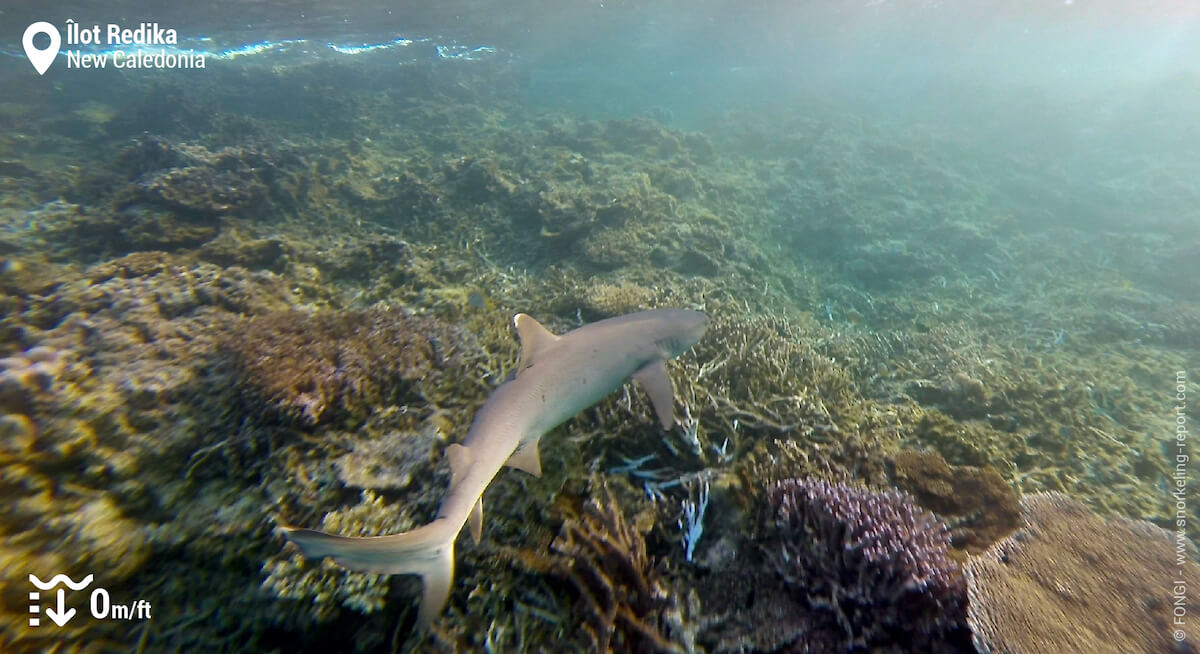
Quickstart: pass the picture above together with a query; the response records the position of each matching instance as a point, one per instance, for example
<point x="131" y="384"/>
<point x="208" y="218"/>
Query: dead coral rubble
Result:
<point x="1070" y="581"/>
<point x="873" y="567"/>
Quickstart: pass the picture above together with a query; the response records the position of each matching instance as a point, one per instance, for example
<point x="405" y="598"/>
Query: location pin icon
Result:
<point x="41" y="59"/>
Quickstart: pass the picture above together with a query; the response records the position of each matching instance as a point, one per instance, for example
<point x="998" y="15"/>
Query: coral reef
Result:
<point x="1069" y="580"/>
<point x="25" y="376"/>
<point x="108" y="394"/>
<point x="188" y="353"/>
<point x="871" y="565"/>
<point x="326" y="366"/>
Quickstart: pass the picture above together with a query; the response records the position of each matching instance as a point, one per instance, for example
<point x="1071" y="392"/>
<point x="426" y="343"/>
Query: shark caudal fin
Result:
<point x="427" y="551"/>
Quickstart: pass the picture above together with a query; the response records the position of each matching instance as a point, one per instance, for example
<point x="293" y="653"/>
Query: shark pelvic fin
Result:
<point x="477" y="521"/>
<point x="654" y="379"/>
<point x="527" y="458"/>
<point x="534" y="338"/>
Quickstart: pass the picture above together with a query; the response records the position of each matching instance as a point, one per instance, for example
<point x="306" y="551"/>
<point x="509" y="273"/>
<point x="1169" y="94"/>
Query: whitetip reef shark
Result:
<point x="556" y="378"/>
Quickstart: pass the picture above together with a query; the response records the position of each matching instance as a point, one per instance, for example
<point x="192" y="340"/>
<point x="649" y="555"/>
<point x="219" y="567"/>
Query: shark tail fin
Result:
<point x="427" y="551"/>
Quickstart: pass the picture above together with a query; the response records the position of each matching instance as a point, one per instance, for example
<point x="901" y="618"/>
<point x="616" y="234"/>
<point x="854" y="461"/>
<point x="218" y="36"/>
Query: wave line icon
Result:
<point x="60" y="578"/>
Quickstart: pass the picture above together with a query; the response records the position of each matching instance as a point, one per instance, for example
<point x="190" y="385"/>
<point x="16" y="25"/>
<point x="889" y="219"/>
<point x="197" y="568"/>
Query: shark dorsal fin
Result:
<point x="527" y="458"/>
<point x="460" y="459"/>
<point x="534" y="338"/>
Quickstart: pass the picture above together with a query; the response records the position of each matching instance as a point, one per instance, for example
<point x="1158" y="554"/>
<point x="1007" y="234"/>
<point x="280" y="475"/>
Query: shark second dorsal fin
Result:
<point x="460" y="459"/>
<point x="534" y="338"/>
<point x="654" y="379"/>
<point x="527" y="458"/>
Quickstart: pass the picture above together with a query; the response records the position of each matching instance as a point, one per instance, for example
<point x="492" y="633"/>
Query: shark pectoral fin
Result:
<point x="460" y="460"/>
<point x="534" y="338"/>
<point x="527" y="458"/>
<point x="654" y="378"/>
<point x="477" y="521"/>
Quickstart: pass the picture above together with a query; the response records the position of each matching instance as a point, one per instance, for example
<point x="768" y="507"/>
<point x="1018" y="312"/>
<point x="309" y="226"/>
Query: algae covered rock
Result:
<point x="108" y="403"/>
<point x="315" y="367"/>
<point x="604" y="300"/>
<point x="391" y="461"/>
<point x="203" y="190"/>
<point x="981" y="506"/>
<point x="199" y="183"/>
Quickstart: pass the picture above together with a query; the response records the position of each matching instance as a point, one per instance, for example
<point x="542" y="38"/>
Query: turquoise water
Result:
<point x="264" y="277"/>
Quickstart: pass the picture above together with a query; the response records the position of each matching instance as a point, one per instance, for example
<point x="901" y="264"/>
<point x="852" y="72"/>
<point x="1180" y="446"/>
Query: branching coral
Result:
<point x="628" y="606"/>
<point x="762" y="379"/>
<point x="1071" y="581"/>
<point x="870" y="563"/>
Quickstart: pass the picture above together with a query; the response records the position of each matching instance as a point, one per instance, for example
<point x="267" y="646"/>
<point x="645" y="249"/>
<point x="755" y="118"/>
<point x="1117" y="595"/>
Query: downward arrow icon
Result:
<point x="63" y="614"/>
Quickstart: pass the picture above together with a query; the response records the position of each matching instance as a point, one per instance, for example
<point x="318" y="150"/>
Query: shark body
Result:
<point x="556" y="378"/>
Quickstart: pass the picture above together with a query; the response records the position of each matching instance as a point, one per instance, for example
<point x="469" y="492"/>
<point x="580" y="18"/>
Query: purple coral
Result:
<point x="872" y="567"/>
